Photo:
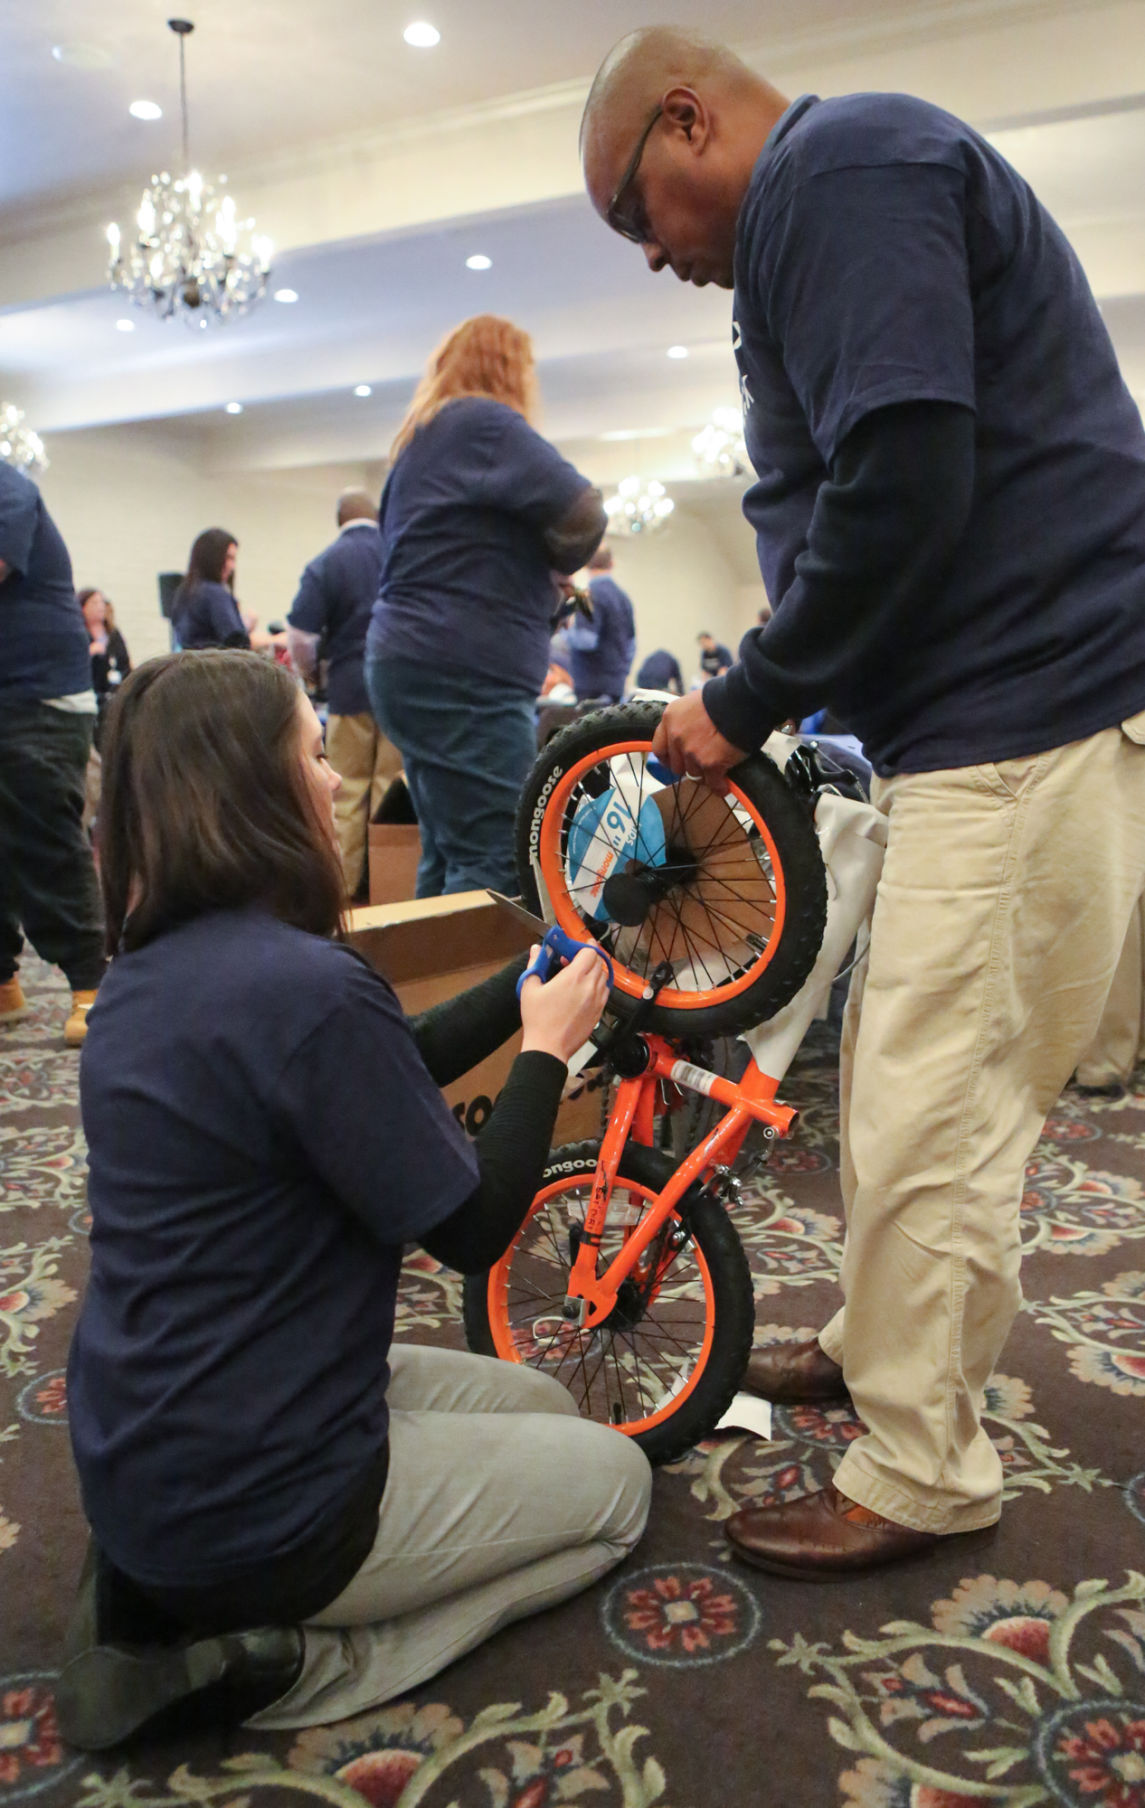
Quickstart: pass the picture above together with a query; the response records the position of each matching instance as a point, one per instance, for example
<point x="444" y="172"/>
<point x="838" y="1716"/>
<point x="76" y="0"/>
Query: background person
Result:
<point x="335" y="598"/>
<point x="110" y="660"/>
<point x="602" y="646"/>
<point x="48" y="887"/>
<point x="203" y="611"/>
<point x="661" y="672"/>
<point x="715" y="658"/>
<point x="265" y="1132"/>
<point x="560" y="650"/>
<point x="956" y="551"/>
<point x="477" y="511"/>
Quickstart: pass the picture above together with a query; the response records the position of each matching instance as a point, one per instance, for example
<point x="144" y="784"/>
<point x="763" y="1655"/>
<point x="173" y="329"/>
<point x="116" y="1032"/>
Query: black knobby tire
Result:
<point x="633" y="1365"/>
<point x="769" y="972"/>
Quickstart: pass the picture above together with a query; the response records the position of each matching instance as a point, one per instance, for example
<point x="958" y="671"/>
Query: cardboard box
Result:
<point x="394" y="851"/>
<point x="432" y="948"/>
<point x="394" y="847"/>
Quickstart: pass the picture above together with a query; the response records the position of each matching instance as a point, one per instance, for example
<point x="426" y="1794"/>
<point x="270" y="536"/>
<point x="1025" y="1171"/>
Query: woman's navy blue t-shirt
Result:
<point x="263" y="1137"/>
<point x="209" y="617"/>
<point x="465" y="581"/>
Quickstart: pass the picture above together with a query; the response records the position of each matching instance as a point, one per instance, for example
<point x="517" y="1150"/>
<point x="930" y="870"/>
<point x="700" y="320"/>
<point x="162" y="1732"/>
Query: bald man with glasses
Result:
<point x="950" y="518"/>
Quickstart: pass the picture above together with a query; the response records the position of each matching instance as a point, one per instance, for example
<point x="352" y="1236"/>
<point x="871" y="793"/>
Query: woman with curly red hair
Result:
<point x="478" y="512"/>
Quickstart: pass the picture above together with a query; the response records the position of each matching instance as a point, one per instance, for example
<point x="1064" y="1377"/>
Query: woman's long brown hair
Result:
<point x="205" y="565"/>
<point x="204" y="804"/>
<point x="484" y="356"/>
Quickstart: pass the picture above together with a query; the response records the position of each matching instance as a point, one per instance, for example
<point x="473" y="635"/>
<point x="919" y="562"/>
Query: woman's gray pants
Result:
<point x="500" y="1500"/>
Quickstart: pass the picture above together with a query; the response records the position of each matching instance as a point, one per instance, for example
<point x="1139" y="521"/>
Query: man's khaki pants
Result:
<point x="1120" y="1039"/>
<point x="368" y="763"/>
<point x="998" y="925"/>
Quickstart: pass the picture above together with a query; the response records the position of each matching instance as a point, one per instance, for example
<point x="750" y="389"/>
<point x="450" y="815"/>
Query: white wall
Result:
<point x="129" y="502"/>
<point x="682" y="581"/>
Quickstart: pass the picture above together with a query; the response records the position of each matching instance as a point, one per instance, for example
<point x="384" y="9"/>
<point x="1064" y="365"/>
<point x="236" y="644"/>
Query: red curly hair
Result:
<point x="484" y="356"/>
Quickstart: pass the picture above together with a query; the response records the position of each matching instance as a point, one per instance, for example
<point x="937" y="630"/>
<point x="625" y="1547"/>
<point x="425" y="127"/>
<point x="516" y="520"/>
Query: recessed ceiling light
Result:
<point x="234" y="407"/>
<point x="125" y="326"/>
<point x="619" y="433"/>
<point x="286" y="296"/>
<point x="479" y="261"/>
<point x="677" y="351"/>
<point x="363" y="389"/>
<point x="145" y="109"/>
<point x="83" y="56"/>
<point x="422" y="35"/>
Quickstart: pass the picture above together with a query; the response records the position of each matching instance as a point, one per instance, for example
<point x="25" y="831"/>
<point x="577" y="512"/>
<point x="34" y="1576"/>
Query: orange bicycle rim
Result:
<point x="551" y="858"/>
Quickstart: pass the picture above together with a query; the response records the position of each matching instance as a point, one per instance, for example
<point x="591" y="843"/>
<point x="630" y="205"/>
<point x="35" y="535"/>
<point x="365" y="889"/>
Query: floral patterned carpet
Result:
<point x="1015" y="1675"/>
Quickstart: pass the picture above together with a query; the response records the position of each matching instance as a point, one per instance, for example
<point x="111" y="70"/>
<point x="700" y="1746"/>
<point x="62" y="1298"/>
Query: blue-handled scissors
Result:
<point x="556" y="947"/>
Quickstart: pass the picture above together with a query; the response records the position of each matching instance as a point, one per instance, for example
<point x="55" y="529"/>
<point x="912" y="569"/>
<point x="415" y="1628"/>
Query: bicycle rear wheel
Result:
<point x="729" y="892"/>
<point x="664" y="1366"/>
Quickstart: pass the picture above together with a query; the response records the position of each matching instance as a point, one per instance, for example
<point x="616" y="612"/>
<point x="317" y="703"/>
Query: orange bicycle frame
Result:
<point x="591" y="1297"/>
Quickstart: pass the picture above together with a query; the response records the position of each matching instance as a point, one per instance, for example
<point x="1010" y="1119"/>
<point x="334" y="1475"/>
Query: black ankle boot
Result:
<point x="131" y="1670"/>
<point x="112" y="1693"/>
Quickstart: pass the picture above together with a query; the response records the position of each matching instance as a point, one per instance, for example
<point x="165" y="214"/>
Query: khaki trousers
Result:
<point x="1120" y="1040"/>
<point x="368" y="763"/>
<point x="998" y="924"/>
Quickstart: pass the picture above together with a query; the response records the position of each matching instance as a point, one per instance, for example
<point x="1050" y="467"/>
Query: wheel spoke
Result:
<point x="586" y="1340"/>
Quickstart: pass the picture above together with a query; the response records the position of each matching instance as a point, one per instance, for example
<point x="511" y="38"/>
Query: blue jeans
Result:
<point x="468" y="745"/>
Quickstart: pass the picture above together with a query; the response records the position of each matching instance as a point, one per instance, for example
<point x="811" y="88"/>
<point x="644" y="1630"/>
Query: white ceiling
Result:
<point x="377" y="169"/>
<point x="267" y="75"/>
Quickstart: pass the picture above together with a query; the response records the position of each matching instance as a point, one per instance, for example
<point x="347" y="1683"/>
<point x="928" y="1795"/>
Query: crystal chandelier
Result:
<point x="19" y="446"/>
<point x="189" y="253"/>
<point x="719" y="447"/>
<point x="638" y="507"/>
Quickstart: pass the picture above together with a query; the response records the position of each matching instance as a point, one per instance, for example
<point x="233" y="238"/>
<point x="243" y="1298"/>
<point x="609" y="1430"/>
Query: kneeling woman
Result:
<point x="265" y="1132"/>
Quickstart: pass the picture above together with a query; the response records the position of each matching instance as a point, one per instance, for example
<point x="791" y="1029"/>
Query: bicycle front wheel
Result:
<point x="664" y="1365"/>
<point x="729" y="894"/>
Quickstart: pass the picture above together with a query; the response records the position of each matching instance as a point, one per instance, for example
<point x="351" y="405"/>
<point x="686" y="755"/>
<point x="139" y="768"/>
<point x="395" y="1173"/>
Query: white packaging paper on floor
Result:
<point x="748" y="1412"/>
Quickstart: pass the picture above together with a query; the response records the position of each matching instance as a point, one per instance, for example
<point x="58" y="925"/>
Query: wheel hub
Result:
<point x="629" y="897"/>
<point x="628" y="1310"/>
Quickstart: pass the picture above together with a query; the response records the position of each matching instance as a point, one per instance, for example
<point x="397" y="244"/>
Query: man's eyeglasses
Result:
<point x="632" y="225"/>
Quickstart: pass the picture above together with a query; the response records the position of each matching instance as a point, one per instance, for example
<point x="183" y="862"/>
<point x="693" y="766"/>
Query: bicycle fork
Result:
<point x="590" y="1297"/>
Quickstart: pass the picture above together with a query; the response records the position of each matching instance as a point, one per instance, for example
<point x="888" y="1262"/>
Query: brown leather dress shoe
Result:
<point x="825" y="1537"/>
<point x="795" y="1374"/>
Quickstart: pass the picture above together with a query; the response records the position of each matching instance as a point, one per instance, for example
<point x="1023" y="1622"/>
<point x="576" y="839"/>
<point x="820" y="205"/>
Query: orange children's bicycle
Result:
<point x="627" y="1281"/>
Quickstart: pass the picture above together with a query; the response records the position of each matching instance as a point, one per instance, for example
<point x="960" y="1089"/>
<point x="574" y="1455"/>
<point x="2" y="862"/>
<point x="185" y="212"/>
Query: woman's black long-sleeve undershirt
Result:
<point x="514" y="1145"/>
